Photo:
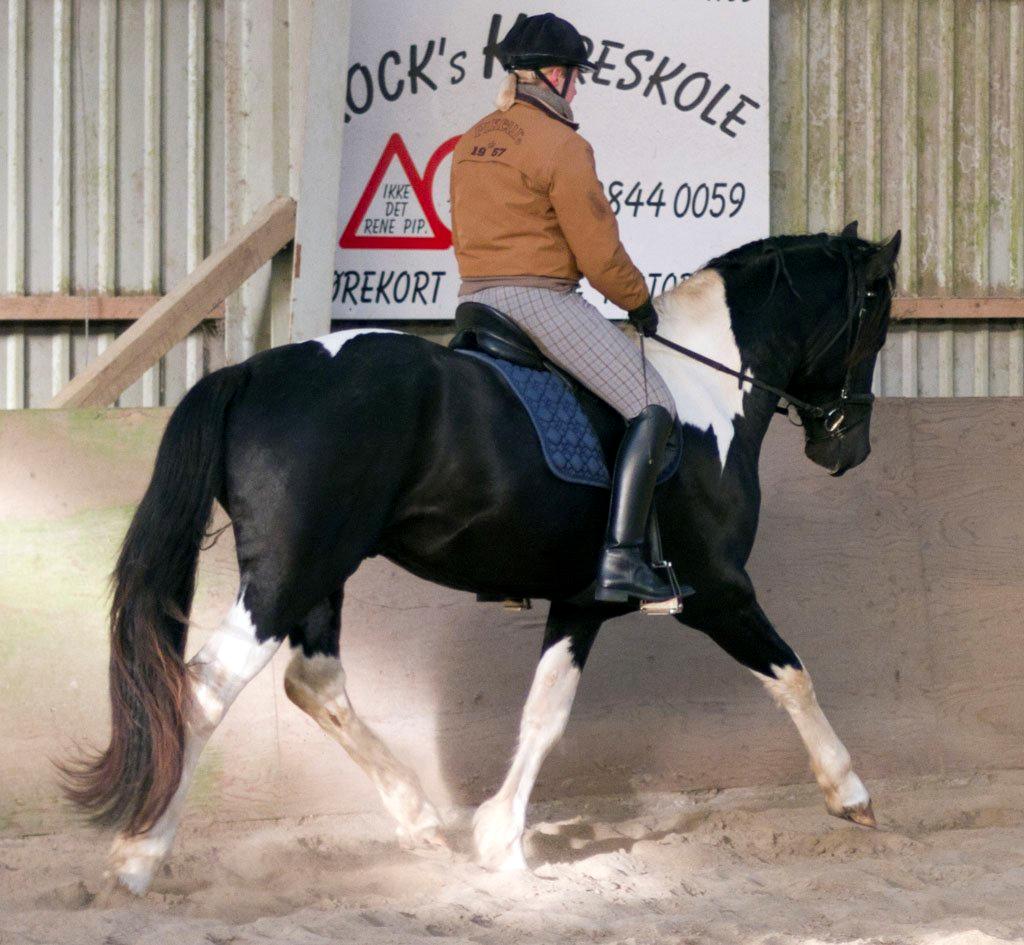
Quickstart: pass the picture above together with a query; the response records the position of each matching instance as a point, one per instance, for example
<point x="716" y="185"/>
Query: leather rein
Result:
<point x="832" y="415"/>
<point x="742" y="377"/>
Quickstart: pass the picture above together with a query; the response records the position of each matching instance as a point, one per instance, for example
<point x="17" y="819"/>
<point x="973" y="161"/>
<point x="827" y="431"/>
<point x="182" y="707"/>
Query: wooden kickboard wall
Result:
<point x="899" y="585"/>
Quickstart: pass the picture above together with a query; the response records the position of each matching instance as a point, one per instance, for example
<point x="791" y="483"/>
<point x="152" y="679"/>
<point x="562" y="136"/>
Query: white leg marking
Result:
<point x="845" y="794"/>
<point x="220" y="670"/>
<point x="317" y="686"/>
<point x="499" y="822"/>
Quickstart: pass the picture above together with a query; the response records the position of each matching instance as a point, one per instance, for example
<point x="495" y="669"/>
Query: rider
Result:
<point x="529" y="217"/>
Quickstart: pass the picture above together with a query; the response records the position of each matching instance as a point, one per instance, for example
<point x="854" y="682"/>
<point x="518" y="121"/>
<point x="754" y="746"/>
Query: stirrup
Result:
<point x="671" y="605"/>
<point x="509" y="603"/>
<point x="662" y="608"/>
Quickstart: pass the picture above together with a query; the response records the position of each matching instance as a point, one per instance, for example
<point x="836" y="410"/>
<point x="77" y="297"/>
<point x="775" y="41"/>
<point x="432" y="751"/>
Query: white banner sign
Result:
<point x="677" y="113"/>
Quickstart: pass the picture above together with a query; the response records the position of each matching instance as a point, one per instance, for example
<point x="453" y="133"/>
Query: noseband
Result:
<point x="841" y="416"/>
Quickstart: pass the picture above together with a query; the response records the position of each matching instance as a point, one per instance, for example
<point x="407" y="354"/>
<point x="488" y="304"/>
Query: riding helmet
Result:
<point x="543" y="40"/>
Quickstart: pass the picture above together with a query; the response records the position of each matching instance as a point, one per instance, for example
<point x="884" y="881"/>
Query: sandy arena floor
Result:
<point x="760" y="865"/>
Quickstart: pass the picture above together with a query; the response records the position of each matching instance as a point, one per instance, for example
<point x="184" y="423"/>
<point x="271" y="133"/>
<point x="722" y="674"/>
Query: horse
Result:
<point x="372" y="442"/>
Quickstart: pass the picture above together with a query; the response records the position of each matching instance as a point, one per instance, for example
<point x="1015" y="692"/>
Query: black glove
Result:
<point x="644" y="318"/>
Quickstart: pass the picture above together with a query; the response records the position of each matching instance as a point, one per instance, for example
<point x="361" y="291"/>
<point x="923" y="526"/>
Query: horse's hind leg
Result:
<point x="315" y="682"/>
<point x="219" y="671"/>
<point x="499" y="822"/>
<point x="749" y="637"/>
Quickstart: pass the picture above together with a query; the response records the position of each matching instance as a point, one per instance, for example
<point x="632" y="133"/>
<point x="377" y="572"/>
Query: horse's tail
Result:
<point x="131" y="783"/>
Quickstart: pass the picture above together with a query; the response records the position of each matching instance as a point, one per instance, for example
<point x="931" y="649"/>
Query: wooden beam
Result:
<point x="128" y="308"/>
<point x="176" y="314"/>
<point x="79" y="308"/>
<point x="964" y="309"/>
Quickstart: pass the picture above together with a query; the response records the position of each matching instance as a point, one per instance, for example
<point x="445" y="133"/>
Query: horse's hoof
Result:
<point x="497" y="854"/>
<point x="113" y="894"/>
<point x="850" y="800"/>
<point x="498" y="842"/>
<point x="429" y="841"/>
<point x="862" y="814"/>
<point x="433" y="840"/>
<point x="505" y="861"/>
<point x="134" y="861"/>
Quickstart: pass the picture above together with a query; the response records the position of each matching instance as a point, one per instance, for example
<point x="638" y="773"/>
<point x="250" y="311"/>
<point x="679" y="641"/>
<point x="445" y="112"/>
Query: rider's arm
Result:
<point x="589" y="226"/>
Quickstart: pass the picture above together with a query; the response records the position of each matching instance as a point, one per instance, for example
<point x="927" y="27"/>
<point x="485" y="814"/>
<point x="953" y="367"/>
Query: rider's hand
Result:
<point x="644" y="318"/>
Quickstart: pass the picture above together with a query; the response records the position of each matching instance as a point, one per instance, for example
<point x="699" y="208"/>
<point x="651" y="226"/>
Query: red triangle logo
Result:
<point x="400" y="233"/>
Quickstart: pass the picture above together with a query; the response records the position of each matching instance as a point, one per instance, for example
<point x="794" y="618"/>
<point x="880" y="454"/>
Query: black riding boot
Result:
<point x="624" y="572"/>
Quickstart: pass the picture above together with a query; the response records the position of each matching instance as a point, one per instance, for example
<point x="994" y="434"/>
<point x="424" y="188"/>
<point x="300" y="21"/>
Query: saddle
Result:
<point x="482" y="328"/>
<point x="568" y="417"/>
<point x="577" y="432"/>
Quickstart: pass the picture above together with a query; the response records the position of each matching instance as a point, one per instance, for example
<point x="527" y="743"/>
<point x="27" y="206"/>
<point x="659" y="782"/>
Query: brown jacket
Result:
<point x="526" y="201"/>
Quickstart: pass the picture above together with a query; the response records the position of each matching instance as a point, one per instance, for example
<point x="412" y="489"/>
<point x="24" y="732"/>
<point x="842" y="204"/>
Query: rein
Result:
<point x="811" y="410"/>
<point x="832" y="416"/>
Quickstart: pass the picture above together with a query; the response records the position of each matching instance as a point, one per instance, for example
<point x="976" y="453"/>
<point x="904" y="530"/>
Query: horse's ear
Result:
<point x="850" y="229"/>
<point x="883" y="260"/>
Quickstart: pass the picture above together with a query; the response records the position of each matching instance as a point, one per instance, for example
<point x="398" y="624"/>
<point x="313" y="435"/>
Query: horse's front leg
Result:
<point x="499" y="822"/>
<point x="747" y="635"/>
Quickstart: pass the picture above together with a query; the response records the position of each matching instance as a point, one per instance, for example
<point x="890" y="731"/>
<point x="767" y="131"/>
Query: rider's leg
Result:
<point x="624" y="571"/>
<point x="579" y="339"/>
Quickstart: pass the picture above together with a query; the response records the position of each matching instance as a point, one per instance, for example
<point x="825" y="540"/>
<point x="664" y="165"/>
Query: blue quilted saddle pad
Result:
<point x="567" y="437"/>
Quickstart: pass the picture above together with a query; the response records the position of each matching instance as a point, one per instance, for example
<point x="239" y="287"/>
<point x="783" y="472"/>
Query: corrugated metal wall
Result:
<point x="122" y="121"/>
<point x="111" y="174"/>
<point x="910" y="114"/>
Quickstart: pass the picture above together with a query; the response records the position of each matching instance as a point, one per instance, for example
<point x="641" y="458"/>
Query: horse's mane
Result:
<point x="759" y="249"/>
<point x="771" y="253"/>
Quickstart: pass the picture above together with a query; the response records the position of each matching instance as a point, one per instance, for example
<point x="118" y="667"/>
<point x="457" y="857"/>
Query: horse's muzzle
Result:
<point x="843" y="451"/>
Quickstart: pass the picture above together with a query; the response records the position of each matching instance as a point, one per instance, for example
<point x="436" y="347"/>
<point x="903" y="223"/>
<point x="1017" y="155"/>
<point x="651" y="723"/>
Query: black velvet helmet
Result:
<point x="543" y="40"/>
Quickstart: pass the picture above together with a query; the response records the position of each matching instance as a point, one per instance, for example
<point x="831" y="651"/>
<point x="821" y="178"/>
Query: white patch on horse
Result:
<point x="793" y="691"/>
<point x="499" y="822"/>
<point x="316" y="685"/>
<point x="219" y="671"/>
<point x="695" y="314"/>
<point x="230" y="659"/>
<point x="337" y="339"/>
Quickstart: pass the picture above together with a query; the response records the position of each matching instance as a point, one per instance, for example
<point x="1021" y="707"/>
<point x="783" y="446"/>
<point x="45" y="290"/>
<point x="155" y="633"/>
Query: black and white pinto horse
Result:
<point x="370" y="442"/>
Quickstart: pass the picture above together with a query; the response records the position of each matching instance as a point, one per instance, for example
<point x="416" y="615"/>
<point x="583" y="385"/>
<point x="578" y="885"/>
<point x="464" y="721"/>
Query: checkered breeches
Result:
<point x="580" y="340"/>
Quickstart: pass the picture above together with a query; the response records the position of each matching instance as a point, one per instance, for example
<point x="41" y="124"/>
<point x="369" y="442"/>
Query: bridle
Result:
<point x="828" y="421"/>
<point x="838" y="417"/>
